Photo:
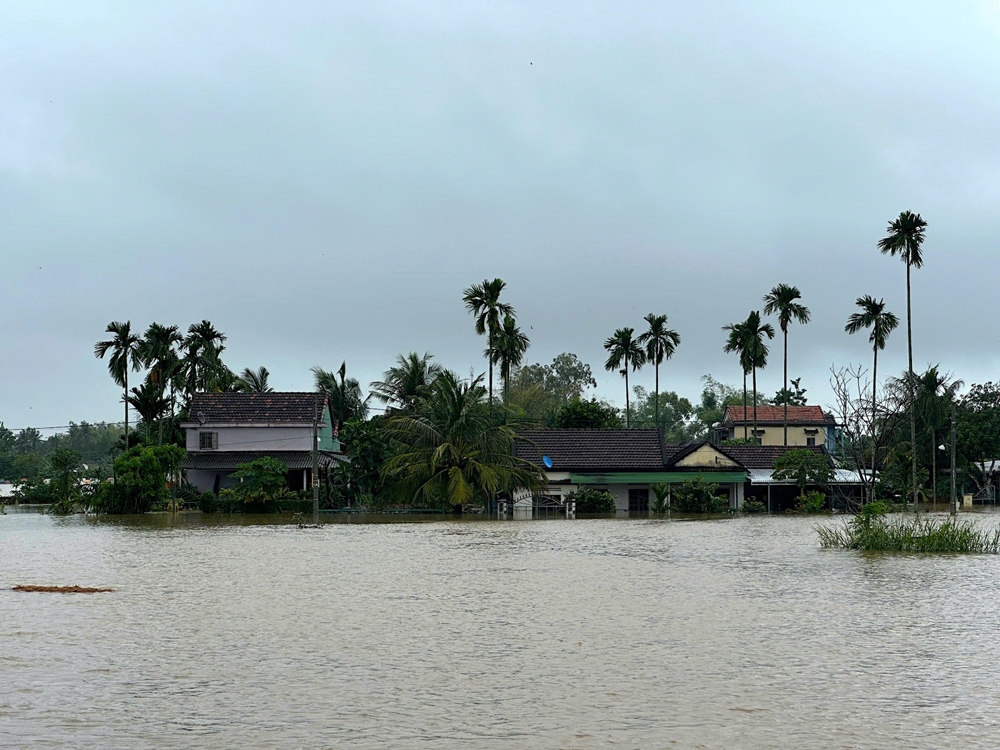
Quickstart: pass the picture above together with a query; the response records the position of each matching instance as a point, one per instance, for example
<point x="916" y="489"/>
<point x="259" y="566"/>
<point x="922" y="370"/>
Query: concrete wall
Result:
<point x="775" y="434"/>
<point x="255" y="438"/>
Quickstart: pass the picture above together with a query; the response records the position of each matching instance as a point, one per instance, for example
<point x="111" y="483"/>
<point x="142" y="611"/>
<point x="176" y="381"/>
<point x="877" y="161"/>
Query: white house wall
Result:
<point x="255" y="438"/>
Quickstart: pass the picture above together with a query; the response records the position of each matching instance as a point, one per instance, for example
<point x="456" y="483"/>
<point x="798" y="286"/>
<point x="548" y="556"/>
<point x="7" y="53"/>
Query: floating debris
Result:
<point x="62" y="589"/>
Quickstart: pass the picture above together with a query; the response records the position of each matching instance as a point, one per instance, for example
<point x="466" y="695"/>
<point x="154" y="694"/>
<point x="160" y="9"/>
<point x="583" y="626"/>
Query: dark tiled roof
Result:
<point x="762" y="456"/>
<point x="256" y="408"/>
<point x="593" y="450"/>
<point x="770" y="415"/>
<point x="229" y="460"/>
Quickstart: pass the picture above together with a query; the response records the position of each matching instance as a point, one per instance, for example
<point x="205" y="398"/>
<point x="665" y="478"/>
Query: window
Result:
<point x="638" y="501"/>
<point x="208" y="441"/>
<point x="810" y="441"/>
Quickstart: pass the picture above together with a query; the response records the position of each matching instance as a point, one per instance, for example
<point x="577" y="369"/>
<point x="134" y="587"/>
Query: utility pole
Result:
<point x="315" y="469"/>
<point x="954" y="495"/>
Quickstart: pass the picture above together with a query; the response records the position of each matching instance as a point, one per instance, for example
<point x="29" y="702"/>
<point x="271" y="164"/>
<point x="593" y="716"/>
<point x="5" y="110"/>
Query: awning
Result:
<point x="660" y="477"/>
<point x="840" y="476"/>
<point x="229" y="460"/>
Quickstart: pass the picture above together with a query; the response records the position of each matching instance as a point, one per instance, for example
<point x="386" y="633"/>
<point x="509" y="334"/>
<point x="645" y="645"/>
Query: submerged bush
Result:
<point x="873" y="530"/>
<point x="753" y="506"/>
<point x="811" y="502"/>
<point x="593" y="501"/>
<point x="698" y="496"/>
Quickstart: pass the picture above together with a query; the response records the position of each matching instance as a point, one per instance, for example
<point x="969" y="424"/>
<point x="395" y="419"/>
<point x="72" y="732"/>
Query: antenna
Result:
<point x="547" y="461"/>
<point x="201" y="417"/>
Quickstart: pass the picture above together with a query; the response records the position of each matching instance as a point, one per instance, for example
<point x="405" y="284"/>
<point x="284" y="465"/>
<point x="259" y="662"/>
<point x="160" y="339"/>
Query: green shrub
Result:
<point x="698" y="496"/>
<point x="208" y="502"/>
<point x="873" y="530"/>
<point x="753" y="506"/>
<point x="36" y="492"/>
<point x="660" y="504"/>
<point x="140" y="480"/>
<point x="593" y="501"/>
<point x="812" y="502"/>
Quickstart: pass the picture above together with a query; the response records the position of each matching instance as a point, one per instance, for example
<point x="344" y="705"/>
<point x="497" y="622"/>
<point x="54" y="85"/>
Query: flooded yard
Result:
<point x="735" y="633"/>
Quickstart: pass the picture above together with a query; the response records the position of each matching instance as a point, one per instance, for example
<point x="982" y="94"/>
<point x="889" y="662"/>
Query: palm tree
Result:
<point x="905" y="238"/>
<point x="661" y="343"/>
<point x="936" y="392"/>
<point x="158" y="350"/>
<point x="202" y="362"/>
<point x="623" y="349"/>
<point x="343" y="394"/>
<point x="882" y="322"/>
<point x="406" y="383"/>
<point x="737" y="342"/>
<point x="483" y="301"/>
<point x="457" y="449"/>
<point x="755" y="331"/>
<point x="508" y="350"/>
<point x="781" y="300"/>
<point x="149" y="402"/>
<point x="125" y="356"/>
<point x="255" y="381"/>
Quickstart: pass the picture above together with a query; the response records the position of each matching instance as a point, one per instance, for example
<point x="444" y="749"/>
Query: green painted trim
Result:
<point x="653" y="477"/>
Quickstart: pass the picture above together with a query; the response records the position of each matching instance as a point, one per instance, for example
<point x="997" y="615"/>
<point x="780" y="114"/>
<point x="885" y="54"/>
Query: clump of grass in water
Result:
<point x="873" y="531"/>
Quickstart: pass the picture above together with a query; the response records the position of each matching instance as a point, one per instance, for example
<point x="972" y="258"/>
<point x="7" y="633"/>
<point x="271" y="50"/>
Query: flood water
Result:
<point x="737" y="633"/>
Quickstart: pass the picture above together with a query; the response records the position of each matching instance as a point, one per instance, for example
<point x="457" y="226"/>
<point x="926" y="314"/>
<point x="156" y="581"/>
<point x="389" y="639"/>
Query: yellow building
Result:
<point x="807" y="426"/>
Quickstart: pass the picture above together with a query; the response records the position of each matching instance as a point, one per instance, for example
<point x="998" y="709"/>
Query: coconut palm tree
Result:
<point x="125" y="356"/>
<point x="343" y="394"/>
<point x="483" y="301"/>
<point x="456" y="449"/>
<point x="405" y="384"/>
<point x="660" y="344"/>
<point x="159" y="353"/>
<point x="624" y="350"/>
<point x="905" y="238"/>
<point x="737" y="342"/>
<point x="755" y="333"/>
<point x="255" y="381"/>
<point x="508" y="350"/>
<point x="782" y="300"/>
<point x="882" y="322"/>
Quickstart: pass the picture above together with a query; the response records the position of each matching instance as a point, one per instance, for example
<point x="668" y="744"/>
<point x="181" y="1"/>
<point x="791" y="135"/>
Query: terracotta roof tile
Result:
<point x="797" y="415"/>
<point x="762" y="456"/>
<point x="593" y="450"/>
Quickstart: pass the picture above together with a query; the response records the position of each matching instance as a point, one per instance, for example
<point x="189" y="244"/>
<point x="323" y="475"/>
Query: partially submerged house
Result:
<point x="807" y="426"/>
<point x="228" y="429"/>
<point x="626" y="462"/>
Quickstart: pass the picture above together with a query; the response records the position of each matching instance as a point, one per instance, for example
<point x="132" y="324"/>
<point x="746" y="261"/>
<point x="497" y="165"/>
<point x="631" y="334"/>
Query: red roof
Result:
<point x="797" y="415"/>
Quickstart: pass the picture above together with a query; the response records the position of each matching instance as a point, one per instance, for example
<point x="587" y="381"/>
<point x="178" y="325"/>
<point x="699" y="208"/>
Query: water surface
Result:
<point x="738" y="633"/>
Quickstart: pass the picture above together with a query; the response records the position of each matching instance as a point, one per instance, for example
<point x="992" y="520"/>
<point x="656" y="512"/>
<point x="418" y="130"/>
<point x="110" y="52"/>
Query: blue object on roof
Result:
<point x="547" y="461"/>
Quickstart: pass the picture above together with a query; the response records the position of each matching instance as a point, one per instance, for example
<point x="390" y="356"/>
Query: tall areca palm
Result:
<point x="509" y="350"/>
<point x="203" y="345"/>
<point x="882" y="322"/>
<point x="624" y="350"/>
<point x="125" y="355"/>
<point x="756" y="332"/>
<point x="407" y="382"/>
<point x="483" y="301"/>
<point x="737" y="342"/>
<point x="159" y="353"/>
<point x="343" y="394"/>
<point x="782" y="300"/>
<point x="905" y="238"/>
<point x="255" y="381"/>
<point x="660" y="344"/>
<point x="149" y="402"/>
<point x="456" y="449"/>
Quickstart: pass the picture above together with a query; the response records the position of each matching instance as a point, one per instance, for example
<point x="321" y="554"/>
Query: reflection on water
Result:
<point x="737" y="633"/>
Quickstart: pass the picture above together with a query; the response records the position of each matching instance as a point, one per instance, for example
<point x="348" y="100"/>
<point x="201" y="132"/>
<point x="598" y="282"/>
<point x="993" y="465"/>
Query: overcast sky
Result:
<point x="321" y="181"/>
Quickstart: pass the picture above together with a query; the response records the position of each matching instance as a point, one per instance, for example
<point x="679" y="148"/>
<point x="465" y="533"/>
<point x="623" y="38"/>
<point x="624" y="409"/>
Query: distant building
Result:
<point x="807" y="426"/>
<point x="228" y="429"/>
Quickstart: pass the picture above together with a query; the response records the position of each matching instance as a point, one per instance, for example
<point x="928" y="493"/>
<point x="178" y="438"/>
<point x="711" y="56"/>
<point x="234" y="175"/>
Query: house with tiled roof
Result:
<point x="225" y="430"/>
<point x="626" y="462"/>
<point x="807" y="426"/>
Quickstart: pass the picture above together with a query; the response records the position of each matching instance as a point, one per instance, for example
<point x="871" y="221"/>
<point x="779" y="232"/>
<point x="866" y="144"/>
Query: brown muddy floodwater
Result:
<point x="245" y="634"/>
